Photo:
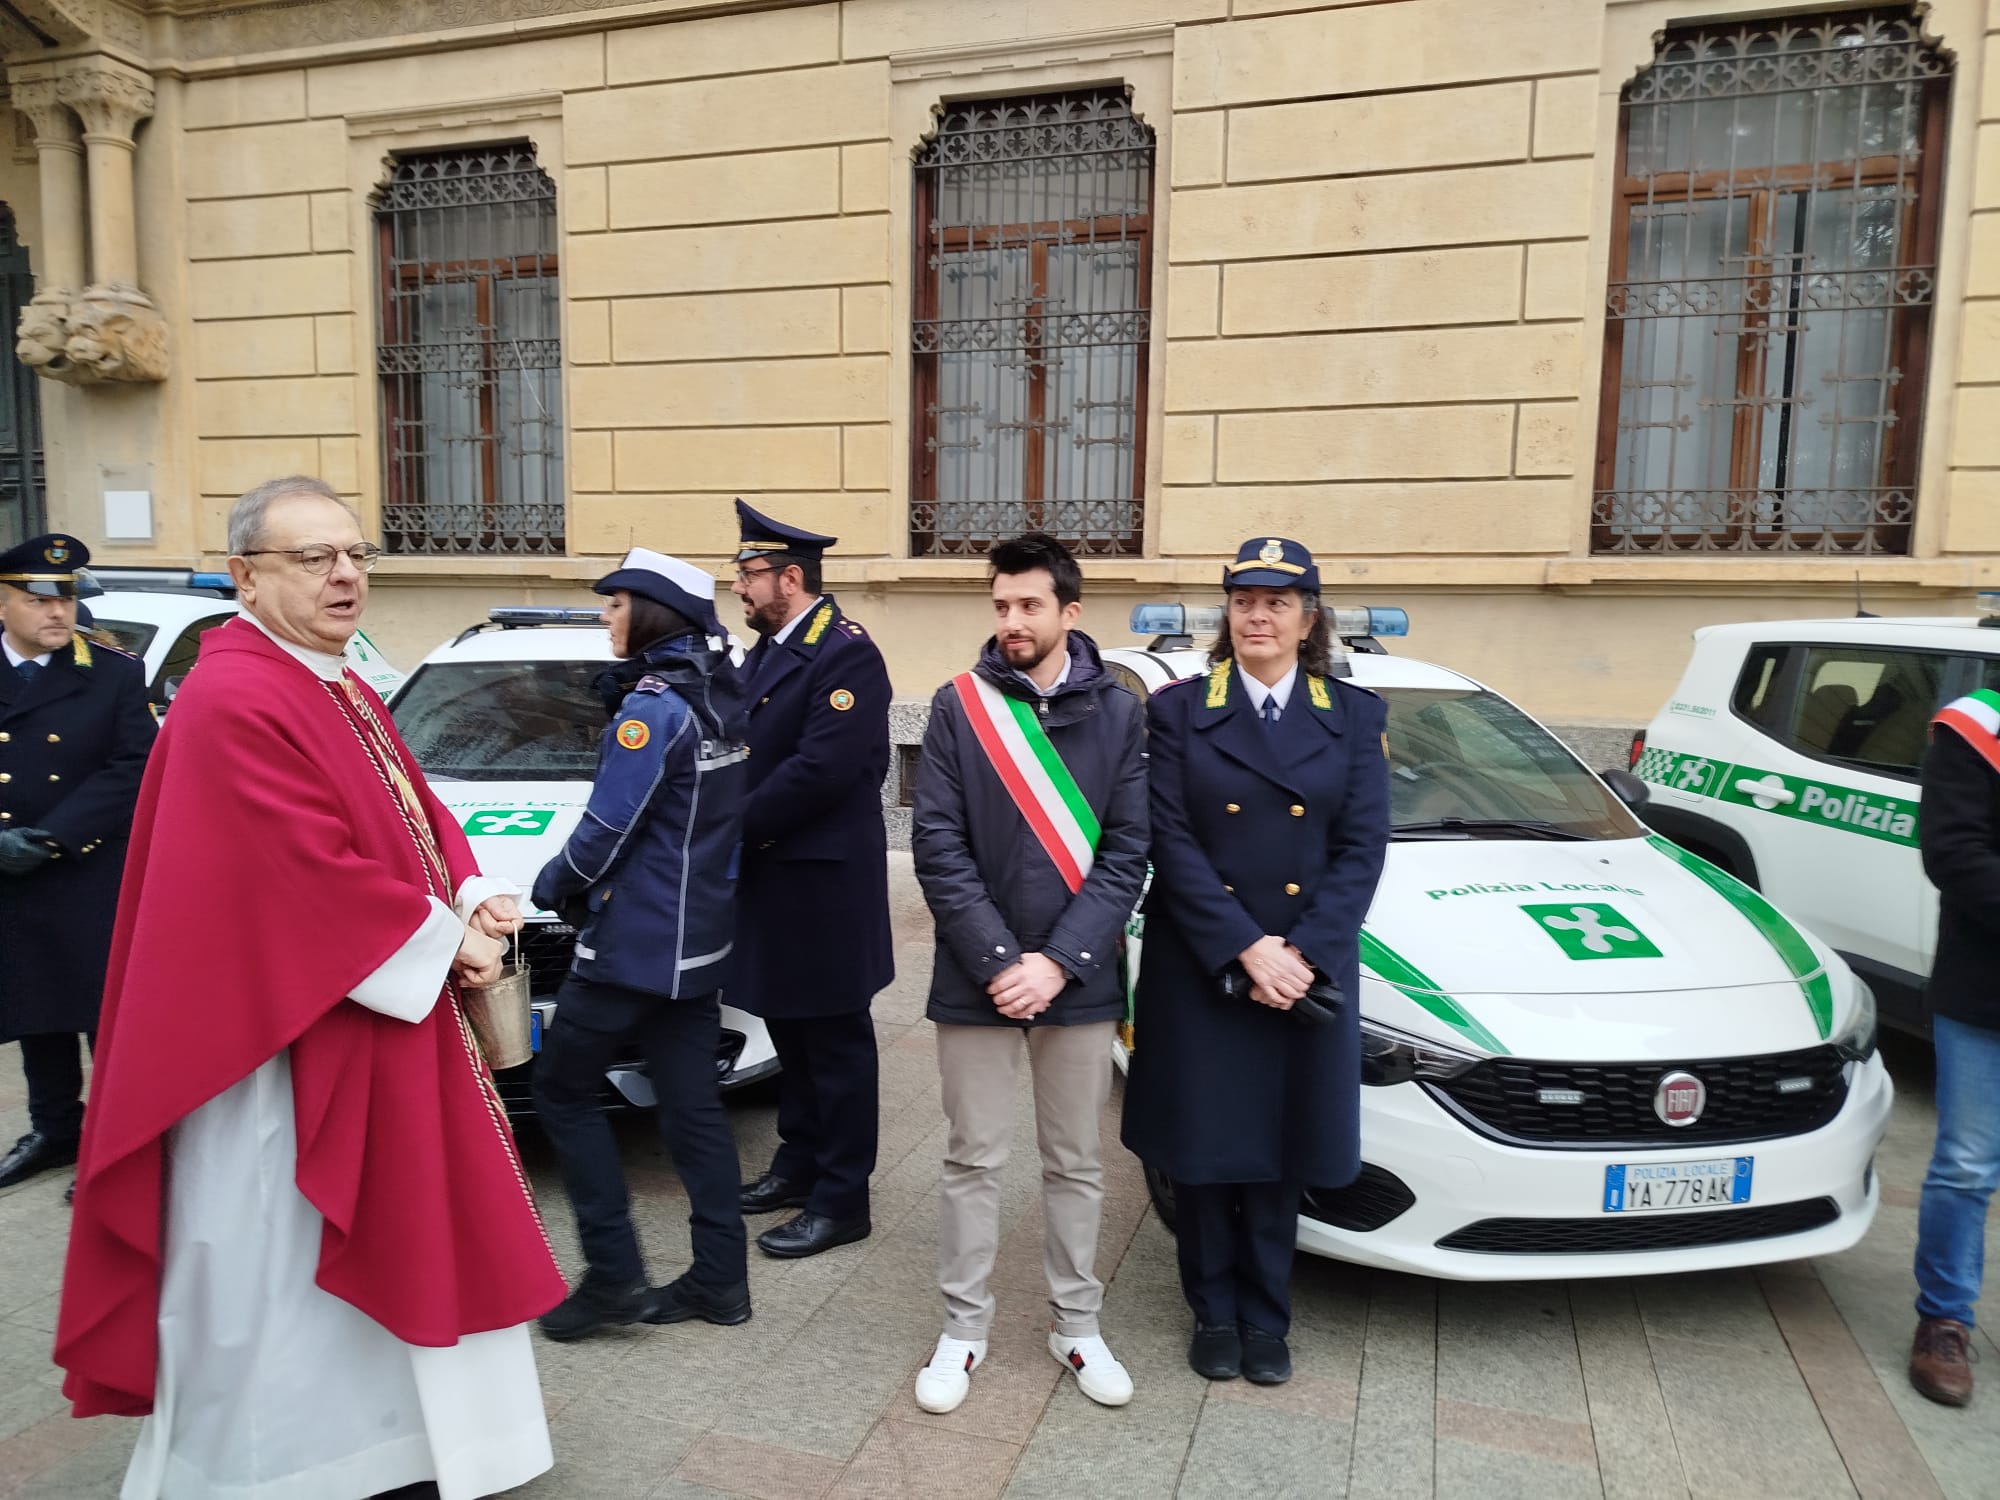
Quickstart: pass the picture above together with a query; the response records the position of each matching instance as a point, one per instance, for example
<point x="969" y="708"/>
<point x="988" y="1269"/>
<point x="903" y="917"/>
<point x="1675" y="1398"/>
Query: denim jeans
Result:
<point x="1965" y="1167"/>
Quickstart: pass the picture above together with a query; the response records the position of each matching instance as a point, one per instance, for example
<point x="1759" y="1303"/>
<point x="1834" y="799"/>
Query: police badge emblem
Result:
<point x="57" y="554"/>
<point x="1273" y="552"/>
<point x="633" y="734"/>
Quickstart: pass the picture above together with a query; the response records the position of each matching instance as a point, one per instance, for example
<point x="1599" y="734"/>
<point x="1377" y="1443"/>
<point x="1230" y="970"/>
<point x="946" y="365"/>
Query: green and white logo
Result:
<point x="505" y="820"/>
<point x="1592" y="930"/>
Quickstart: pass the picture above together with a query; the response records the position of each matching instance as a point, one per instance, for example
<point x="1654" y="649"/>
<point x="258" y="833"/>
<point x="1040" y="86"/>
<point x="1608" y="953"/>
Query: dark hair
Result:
<point x="809" y="569"/>
<point x="1040" y="550"/>
<point x="651" y="622"/>
<point x="1315" y="651"/>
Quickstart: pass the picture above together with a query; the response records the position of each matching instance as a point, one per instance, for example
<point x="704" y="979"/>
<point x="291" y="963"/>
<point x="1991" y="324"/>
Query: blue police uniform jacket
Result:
<point x="649" y="873"/>
<point x="814" y="912"/>
<point x="1280" y="831"/>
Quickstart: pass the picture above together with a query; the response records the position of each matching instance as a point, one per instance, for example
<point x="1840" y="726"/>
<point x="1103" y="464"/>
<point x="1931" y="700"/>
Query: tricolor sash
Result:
<point x="1975" y="718"/>
<point x="1018" y="748"/>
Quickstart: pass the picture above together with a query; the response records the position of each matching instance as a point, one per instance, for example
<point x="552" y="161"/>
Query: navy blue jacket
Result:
<point x="1256" y="831"/>
<point x="653" y="861"/>
<point x="813" y="919"/>
<point x="73" y="748"/>
<point x="992" y="888"/>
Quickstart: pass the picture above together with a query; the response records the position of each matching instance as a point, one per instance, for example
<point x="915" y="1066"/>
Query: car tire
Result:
<point x="1161" y="1190"/>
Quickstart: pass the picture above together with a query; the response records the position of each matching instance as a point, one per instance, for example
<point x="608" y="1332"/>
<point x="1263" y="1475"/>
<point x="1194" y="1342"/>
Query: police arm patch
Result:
<point x="633" y="734"/>
<point x="841" y="699"/>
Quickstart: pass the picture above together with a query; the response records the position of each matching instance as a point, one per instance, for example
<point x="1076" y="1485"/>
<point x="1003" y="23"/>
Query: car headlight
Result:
<point x="1857" y="1042"/>
<point x="1391" y="1056"/>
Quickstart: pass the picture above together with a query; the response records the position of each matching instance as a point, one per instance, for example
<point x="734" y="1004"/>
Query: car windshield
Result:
<point x="129" y="634"/>
<point x="1463" y="761"/>
<point x="503" y="720"/>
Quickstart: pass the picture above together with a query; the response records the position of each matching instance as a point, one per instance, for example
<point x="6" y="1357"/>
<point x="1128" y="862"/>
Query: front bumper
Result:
<point x="1462" y="1182"/>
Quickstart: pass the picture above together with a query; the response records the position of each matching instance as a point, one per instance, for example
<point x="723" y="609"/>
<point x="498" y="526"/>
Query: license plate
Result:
<point x="1651" y="1187"/>
<point x="539" y="1017"/>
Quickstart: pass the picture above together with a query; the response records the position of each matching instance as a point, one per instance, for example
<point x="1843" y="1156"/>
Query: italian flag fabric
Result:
<point x="1975" y="719"/>
<point x="1011" y="734"/>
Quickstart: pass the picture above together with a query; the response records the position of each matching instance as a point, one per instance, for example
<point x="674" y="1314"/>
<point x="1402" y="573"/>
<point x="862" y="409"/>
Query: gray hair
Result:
<point x="246" y="516"/>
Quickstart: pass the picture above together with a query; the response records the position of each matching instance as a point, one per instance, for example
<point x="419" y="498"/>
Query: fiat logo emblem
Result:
<point x="1678" y="1099"/>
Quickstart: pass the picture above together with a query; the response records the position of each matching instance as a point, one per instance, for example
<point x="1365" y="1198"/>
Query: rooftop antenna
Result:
<point x="1860" y="612"/>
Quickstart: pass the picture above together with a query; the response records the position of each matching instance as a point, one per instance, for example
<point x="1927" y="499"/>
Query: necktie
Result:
<point x="28" y="669"/>
<point x="1271" y="712"/>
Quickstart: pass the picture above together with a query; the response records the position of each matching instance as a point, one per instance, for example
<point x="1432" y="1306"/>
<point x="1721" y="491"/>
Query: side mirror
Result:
<point x="1626" y="787"/>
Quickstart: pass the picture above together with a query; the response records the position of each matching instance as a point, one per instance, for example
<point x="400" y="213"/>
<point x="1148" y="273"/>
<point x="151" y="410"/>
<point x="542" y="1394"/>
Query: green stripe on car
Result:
<point x="1790" y="943"/>
<point x="1414" y="984"/>
<point x="1824" y="803"/>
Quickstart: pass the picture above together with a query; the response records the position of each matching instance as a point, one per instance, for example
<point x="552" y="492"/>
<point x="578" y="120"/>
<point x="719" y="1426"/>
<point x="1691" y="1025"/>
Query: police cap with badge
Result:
<point x="760" y="536"/>
<point x="1272" y="563"/>
<point x="681" y="586"/>
<point x="48" y="567"/>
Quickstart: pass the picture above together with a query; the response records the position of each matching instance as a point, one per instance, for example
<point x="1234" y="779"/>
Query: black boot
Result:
<point x="681" y="1301"/>
<point x="596" y="1305"/>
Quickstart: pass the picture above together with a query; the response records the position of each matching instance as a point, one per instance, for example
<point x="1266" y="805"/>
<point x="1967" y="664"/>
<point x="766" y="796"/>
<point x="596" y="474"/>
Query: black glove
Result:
<point x="23" y="850"/>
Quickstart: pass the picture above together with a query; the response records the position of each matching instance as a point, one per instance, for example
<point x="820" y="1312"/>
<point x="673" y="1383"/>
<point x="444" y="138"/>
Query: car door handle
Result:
<point x="1766" y="790"/>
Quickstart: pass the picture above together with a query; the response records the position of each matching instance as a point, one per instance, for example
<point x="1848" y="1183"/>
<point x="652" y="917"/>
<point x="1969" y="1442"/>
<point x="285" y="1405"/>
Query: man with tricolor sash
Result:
<point x="1030" y="833"/>
<point x="1958" y="830"/>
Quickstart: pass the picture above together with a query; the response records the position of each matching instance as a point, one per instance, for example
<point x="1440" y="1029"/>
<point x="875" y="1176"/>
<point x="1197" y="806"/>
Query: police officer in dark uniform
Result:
<point x="813" y="943"/>
<point x="1270" y="802"/>
<point x="74" y="735"/>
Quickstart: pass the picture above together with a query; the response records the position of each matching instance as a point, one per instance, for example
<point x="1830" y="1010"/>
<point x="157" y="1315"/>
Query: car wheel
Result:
<point x="1162" y="1192"/>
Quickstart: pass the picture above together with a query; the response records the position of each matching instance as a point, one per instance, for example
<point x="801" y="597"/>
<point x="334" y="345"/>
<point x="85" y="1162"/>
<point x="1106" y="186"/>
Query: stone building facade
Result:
<point x="1568" y="325"/>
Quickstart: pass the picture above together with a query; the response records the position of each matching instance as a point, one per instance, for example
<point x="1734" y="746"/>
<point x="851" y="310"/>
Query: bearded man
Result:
<point x="303" y="1243"/>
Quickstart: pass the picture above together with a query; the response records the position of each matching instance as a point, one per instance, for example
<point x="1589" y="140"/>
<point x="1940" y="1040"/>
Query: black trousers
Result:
<point x="679" y="1038"/>
<point x="827" y="1109"/>
<point x="53" y="1066"/>
<point x="1236" y="1241"/>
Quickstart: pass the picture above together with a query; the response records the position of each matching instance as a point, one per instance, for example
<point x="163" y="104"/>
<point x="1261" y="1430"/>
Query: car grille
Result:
<point x="1501" y="1098"/>
<point x="1370" y="1201"/>
<point x="548" y="948"/>
<point x="1611" y="1233"/>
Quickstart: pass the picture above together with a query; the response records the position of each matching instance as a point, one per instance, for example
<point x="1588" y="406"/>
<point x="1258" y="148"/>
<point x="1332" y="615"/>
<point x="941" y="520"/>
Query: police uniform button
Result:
<point x="55" y="739"/>
<point x="54" y="777"/>
<point x="1291" y="890"/>
<point x="1298" y="811"/>
<point x="1084" y="956"/>
<point x="6" y="776"/>
<point x="1230" y="888"/>
<point x="6" y="817"/>
<point x="1001" y="949"/>
<point x="5" y="738"/>
<point x="1233" y="807"/>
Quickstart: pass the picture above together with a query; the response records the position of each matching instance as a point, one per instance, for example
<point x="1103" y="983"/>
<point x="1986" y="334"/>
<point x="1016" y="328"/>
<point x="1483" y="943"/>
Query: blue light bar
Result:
<point x="210" y="581"/>
<point x="1368" y="620"/>
<point x="543" y="614"/>
<point x="1159" y="619"/>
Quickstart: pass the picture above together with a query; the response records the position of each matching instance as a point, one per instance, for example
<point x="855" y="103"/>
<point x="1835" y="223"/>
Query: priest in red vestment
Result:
<point x="303" y="1248"/>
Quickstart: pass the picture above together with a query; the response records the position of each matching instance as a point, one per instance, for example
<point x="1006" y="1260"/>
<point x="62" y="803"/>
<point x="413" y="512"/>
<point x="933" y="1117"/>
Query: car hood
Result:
<point x="1628" y="948"/>
<point x="515" y="827"/>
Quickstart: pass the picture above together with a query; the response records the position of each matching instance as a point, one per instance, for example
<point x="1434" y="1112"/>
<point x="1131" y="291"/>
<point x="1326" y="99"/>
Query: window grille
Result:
<point x="1774" y="258"/>
<point x="1031" y="323"/>
<point x="470" y="354"/>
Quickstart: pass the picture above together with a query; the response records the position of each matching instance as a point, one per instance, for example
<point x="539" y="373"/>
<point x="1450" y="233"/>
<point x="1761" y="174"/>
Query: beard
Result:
<point x="765" y="619"/>
<point x="1027" y="654"/>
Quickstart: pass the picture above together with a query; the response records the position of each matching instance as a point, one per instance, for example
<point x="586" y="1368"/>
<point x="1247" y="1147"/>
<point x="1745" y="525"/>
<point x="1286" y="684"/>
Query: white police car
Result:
<point x="1586" y="1052"/>
<point x="1788" y="755"/>
<point x="160" y="615"/>
<point x="506" y="726"/>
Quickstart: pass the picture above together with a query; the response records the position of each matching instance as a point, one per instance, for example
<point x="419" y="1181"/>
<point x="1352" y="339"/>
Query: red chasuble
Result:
<point x="283" y="848"/>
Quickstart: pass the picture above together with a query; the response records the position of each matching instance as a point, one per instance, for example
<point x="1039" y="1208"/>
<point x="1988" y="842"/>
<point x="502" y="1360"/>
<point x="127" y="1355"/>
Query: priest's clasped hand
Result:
<point x="496" y="917"/>
<point x="479" y="958"/>
<point x="24" y="849"/>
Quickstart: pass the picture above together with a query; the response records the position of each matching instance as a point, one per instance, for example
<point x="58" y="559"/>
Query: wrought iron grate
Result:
<point x="1775" y="248"/>
<point x="1031" y="323"/>
<point x="470" y="354"/>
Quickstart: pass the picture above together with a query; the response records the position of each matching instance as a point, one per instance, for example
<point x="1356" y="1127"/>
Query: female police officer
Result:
<point x="648" y="878"/>
<point x="1270" y="798"/>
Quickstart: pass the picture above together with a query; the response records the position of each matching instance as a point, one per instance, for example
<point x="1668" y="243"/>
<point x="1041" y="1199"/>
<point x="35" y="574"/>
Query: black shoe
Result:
<point x="595" y="1305"/>
<point x="1216" y="1351"/>
<point x="681" y="1301"/>
<point x="810" y="1233"/>
<point x="770" y="1193"/>
<point x="1266" y="1359"/>
<point x="35" y="1153"/>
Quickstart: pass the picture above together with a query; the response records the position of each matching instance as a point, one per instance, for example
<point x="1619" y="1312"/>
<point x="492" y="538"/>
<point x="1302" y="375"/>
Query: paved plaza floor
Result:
<point x="1784" y="1381"/>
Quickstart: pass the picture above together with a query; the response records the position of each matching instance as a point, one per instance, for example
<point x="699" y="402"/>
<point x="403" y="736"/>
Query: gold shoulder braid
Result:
<point x="82" y="648"/>
<point x="1218" y="683"/>
<point x="819" y="623"/>
<point x="1316" y="690"/>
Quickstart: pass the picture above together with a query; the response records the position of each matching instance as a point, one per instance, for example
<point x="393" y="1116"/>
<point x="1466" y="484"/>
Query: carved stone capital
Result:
<point x="41" y="341"/>
<point x="74" y="21"/>
<point x="34" y="95"/>
<point x="116" y="334"/>
<point x="109" y="97"/>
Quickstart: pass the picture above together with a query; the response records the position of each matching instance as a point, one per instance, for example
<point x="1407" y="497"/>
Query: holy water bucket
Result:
<point x="501" y="1017"/>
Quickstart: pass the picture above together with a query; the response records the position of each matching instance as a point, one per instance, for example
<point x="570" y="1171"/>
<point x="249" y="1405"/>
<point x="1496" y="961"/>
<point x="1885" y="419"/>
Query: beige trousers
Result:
<point x="979" y="1067"/>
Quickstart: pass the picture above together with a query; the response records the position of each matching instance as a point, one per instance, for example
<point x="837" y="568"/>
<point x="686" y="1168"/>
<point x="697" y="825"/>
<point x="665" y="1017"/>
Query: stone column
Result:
<point x="43" y="331"/>
<point x="115" y="331"/>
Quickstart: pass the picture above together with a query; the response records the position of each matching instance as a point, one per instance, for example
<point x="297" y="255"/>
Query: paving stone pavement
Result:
<point x="1784" y="1381"/>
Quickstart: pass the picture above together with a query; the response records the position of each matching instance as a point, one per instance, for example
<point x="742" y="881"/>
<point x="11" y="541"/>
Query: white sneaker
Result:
<point x="942" y="1384"/>
<point x="1098" y="1375"/>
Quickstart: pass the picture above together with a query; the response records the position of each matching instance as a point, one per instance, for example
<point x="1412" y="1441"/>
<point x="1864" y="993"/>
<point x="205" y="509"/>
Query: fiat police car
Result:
<point x="505" y="724"/>
<point x="1585" y="1050"/>
<point x="1788" y="755"/>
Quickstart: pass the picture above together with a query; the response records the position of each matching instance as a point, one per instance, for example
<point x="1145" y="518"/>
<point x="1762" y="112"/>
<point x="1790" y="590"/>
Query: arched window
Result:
<point x="1774" y="268"/>
<point x="470" y="354"/>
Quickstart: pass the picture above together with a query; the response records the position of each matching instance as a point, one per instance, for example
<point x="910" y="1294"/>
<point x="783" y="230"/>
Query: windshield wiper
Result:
<point x="1475" y="828"/>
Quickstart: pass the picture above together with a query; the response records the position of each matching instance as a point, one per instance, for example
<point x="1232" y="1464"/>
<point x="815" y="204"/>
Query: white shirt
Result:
<point x="1062" y="677"/>
<point x="784" y="632"/>
<point x="1282" y="691"/>
<point x="15" y="658"/>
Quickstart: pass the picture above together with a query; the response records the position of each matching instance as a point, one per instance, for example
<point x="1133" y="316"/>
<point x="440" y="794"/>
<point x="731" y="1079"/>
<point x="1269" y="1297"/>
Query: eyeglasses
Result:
<point x="318" y="560"/>
<point x="744" y="575"/>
